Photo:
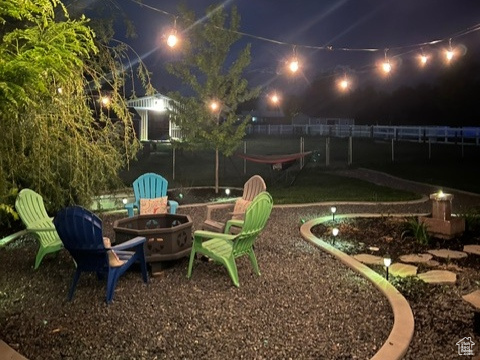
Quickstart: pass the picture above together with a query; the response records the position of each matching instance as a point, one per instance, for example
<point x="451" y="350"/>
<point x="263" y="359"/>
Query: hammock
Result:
<point x="273" y="159"/>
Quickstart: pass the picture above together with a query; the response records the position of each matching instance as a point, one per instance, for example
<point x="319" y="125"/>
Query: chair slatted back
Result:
<point x="81" y="233"/>
<point x="256" y="218"/>
<point x="149" y="186"/>
<point x="31" y="209"/>
<point x="254" y="186"/>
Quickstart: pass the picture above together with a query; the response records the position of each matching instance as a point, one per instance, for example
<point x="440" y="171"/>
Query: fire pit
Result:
<point x="169" y="236"/>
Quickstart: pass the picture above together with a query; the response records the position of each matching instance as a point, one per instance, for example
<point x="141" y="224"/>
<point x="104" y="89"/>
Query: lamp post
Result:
<point x="387" y="261"/>
<point x="333" y="210"/>
<point x="334" y="233"/>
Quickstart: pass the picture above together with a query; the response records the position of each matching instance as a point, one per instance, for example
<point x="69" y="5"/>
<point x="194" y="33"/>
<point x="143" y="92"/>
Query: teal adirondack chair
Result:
<point x="31" y="209"/>
<point x="150" y="186"/>
<point x="225" y="248"/>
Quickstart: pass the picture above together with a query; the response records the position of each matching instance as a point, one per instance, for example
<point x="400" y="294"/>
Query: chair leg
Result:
<point x="38" y="259"/>
<point x="253" y="261"/>
<point x="190" y="262"/>
<point x="76" y="276"/>
<point x="232" y="271"/>
<point x="113" y="275"/>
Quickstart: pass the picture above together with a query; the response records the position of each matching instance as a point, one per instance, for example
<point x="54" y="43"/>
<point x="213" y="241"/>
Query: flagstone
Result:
<point x="432" y="263"/>
<point x="448" y="254"/>
<point x="473" y="298"/>
<point x="472" y="249"/>
<point x="369" y="259"/>
<point x="438" y="277"/>
<point x="416" y="258"/>
<point x="402" y="270"/>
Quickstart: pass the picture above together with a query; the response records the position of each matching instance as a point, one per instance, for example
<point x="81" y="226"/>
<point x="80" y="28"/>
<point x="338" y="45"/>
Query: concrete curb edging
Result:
<point x="397" y="343"/>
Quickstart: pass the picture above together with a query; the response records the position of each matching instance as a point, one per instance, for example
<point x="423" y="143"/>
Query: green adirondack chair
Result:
<point x="225" y="248"/>
<point x="31" y="209"/>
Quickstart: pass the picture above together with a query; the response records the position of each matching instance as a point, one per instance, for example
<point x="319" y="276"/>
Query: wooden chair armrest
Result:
<point x="214" y="207"/>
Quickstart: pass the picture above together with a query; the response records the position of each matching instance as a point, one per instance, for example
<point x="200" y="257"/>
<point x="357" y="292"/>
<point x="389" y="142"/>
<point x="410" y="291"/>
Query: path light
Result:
<point x="227" y="192"/>
<point x="334" y="233"/>
<point x="180" y="196"/>
<point x="387" y="261"/>
<point x="124" y="201"/>
<point x="333" y="210"/>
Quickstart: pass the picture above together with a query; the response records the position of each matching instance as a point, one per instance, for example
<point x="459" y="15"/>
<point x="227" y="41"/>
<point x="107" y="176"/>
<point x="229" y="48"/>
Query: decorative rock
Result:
<point x="438" y="277"/>
<point x="448" y="254"/>
<point x="373" y="248"/>
<point x="369" y="259"/>
<point x="472" y="249"/>
<point x="473" y="298"/>
<point x="402" y="270"/>
<point x="432" y="263"/>
<point x="416" y="258"/>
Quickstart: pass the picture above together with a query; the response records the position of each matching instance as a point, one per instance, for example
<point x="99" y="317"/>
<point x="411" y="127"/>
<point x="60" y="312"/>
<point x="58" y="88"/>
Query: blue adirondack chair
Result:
<point x="81" y="233"/>
<point x="150" y="186"/>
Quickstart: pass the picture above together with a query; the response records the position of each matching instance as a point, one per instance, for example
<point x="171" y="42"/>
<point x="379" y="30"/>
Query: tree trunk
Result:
<point x="216" y="170"/>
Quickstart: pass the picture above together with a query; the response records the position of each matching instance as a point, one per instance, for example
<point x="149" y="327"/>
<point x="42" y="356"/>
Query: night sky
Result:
<point x="400" y="26"/>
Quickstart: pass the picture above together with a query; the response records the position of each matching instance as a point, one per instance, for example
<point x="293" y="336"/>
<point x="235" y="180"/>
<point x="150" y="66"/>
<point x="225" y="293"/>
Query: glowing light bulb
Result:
<point x="172" y="40"/>
<point x="60" y="90"/>
<point x="275" y="99"/>
<point x="335" y="231"/>
<point x="423" y="59"/>
<point x="344" y="84"/>
<point x="214" y="106"/>
<point x="386" y="67"/>
<point x="227" y="192"/>
<point x="294" y="66"/>
<point x="449" y="55"/>
<point x="124" y="201"/>
<point x="387" y="261"/>
<point x="105" y="100"/>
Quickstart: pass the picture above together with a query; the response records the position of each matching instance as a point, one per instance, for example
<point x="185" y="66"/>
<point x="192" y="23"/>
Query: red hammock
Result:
<point x="273" y="159"/>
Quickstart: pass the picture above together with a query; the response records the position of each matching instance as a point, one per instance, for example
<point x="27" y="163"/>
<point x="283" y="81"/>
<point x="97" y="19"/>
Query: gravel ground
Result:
<point x="305" y="305"/>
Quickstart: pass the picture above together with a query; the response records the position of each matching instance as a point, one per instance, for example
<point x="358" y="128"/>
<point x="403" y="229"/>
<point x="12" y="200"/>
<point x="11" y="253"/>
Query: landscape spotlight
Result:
<point x="333" y="210"/>
<point x="227" y="192"/>
<point x="334" y="233"/>
<point x="124" y="201"/>
<point x="387" y="261"/>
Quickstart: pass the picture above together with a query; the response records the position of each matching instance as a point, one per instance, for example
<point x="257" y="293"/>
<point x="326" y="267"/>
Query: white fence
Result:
<point x="438" y="134"/>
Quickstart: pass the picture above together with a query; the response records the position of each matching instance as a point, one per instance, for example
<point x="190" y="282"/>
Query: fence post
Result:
<point x="393" y="150"/>
<point x="327" y="151"/>
<point x="350" y="150"/>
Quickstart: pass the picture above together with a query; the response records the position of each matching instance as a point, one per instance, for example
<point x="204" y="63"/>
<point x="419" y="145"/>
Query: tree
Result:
<point x="56" y="137"/>
<point x="204" y="69"/>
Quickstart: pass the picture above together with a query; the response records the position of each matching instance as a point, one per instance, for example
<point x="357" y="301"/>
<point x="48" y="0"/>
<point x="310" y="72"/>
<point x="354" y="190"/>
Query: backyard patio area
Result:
<point x="305" y="305"/>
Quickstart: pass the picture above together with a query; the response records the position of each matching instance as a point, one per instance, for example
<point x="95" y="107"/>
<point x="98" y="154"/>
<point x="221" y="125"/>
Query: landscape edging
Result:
<point x="397" y="343"/>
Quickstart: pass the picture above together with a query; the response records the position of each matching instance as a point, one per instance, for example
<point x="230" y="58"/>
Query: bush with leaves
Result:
<point x="416" y="229"/>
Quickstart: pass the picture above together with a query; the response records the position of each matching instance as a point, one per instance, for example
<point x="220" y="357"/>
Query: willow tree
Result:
<point x="55" y="138"/>
<point x="215" y="76"/>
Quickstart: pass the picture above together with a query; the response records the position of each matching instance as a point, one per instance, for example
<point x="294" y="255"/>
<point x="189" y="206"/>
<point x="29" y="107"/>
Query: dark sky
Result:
<point x="398" y="25"/>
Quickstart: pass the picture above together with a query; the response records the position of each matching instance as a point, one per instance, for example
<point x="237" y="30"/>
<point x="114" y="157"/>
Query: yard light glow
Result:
<point x="449" y="55"/>
<point x="124" y="201"/>
<point x="275" y="99"/>
<point x="60" y="90"/>
<point x="214" y="106"/>
<point x="333" y="210"/>
<point x="172" y="39"/>
<point x="227" y="192"/>
<point x="105" y="100"/>
<point x="344" y="84"/>
<point x="386" y="67"/>
<point x="387" y="261"/>
<point x="294" y="66"/>
<point x="335" y="232"/>
<point x="180" y="196"/>
<point x="423" y="59"/>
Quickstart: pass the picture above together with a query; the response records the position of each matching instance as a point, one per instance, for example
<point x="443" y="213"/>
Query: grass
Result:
<point x="438" y="164"/>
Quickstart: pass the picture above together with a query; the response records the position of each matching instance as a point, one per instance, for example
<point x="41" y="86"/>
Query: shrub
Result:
<point x="417" y="230"/>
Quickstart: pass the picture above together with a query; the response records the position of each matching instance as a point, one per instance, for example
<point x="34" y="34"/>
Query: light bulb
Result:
<point x="386" y="67"/>
<point x="172" y="40"/>
<point x="294" y="66"/>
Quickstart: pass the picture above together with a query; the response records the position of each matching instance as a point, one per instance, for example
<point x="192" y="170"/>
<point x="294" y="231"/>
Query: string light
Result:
<point x="105" y="100"/>
<point x="172" y="38"/>
<point x="386" y="67"/>
<point x="214" y="105"/>
<point x="294" y="65"/>
<point x="274" y="98"/>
